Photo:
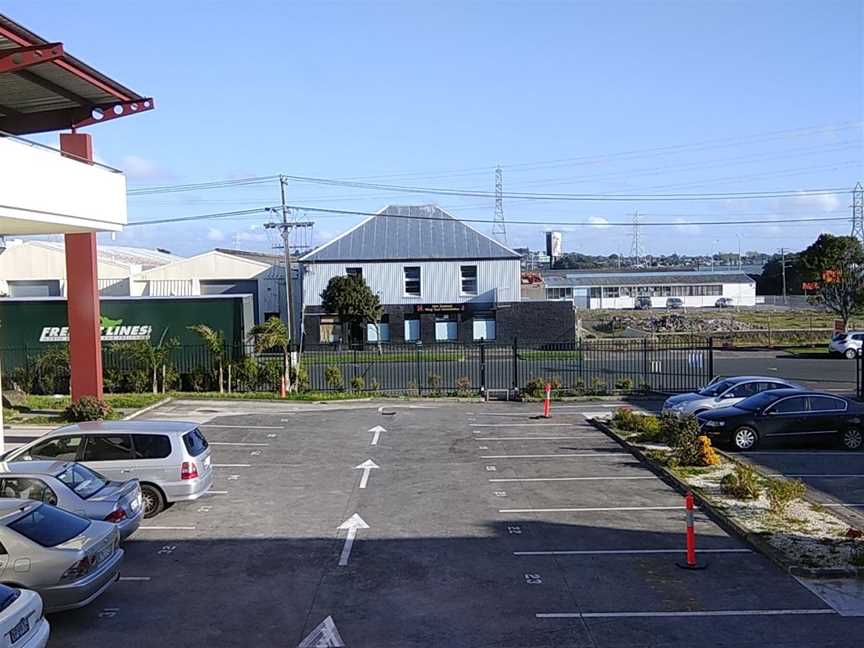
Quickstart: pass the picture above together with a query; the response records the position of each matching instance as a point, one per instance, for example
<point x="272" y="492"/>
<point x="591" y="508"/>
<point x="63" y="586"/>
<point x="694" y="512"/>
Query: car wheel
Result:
<point x="850" y="354"/>
<point x="853" y="439"/>
<point x="154" y="500"/>
<point x="745" y="438"/>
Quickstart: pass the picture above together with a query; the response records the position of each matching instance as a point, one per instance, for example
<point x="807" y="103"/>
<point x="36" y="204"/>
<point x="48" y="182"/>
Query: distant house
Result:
<point x="438" y="279"/>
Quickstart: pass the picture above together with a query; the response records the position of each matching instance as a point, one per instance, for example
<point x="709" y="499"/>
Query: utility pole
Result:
<point x="636" y="245"/>
<point x="286" y="227"/>
<point x="783" y="262"/>
<point x="499" y="226"/>
<point x="858" y="212"/>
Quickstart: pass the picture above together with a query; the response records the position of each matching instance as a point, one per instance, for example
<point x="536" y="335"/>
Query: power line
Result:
<point x="351" y="212"/>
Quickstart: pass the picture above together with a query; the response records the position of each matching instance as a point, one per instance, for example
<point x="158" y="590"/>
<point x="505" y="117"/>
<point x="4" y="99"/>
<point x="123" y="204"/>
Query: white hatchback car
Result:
<point x="22" y="618"/>
<point x="847" y="344"/>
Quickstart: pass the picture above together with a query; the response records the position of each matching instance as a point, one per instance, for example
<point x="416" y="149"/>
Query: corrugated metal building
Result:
<point x="438" y="279"/>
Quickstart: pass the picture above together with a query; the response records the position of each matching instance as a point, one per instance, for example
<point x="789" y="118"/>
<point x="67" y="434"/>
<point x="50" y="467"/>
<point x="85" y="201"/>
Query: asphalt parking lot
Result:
<point x="480" y="526"/>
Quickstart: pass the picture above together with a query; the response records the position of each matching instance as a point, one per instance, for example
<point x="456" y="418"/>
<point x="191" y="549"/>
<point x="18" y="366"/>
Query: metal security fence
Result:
<point x="595" y="366"/>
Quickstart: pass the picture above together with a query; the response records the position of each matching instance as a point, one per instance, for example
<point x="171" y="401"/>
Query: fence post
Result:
<point x="515" y="365"/>
<point x="417" y="366"/>
<point x="710" y="359"/>
<point x="482" y="368"/>
<point x="645" y="361"/>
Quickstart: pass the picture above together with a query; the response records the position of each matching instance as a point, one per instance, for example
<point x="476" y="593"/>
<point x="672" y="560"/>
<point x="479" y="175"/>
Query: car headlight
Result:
<point x="714" y="424"/>
<point x="679" y="407"/>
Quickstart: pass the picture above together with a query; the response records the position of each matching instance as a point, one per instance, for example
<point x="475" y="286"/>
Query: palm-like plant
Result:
<point x="215" y="342"/>
<point x="152" y="356"/>
<point x="273" y="334"/>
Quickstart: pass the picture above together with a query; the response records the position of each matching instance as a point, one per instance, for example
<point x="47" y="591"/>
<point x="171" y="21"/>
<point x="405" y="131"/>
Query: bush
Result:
<point x="137" y="381"/>
<point x="707" y="455"/>
<point x="433" y="381"/>
<point x="598" y="387"/>
<point x="357" y="383"/>
<point x="300" y="377"/>
<point x="463" y="385"/>
<point x="782" y="492"/>
<point x="647" y="427"/>
<point x="373" y="385"/>
<point x="742" y="484"/>
<point x="683" y="435"/>
<point x="87" y="408"/>
<point x="244" y="374"/>
<point x="625" y="384"/>
<point x="333" y="377"/>
<point x="536" y="387"/>
<point x="271" y="373"/>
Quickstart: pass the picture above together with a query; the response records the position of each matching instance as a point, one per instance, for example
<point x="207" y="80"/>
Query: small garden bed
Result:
<point x="772" y="514"/>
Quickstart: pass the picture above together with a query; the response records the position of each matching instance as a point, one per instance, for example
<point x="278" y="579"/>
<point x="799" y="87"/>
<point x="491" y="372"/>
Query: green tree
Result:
<point x="152" y="356"/>
<point x="353" y="301"/>
<point x="836" y="264"/>
<point x="215" y="342"/>
<point x="273" y="334"/>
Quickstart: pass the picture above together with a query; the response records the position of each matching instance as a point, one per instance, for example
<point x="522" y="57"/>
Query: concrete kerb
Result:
<point x="149" y="408"/>
<point x="731" y="527"/>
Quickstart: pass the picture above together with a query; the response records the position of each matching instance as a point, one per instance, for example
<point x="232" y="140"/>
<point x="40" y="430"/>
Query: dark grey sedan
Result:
<point x="77" y="489"/>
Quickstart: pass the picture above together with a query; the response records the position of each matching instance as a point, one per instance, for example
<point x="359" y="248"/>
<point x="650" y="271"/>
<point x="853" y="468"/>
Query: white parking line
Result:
<point x="544" y="479"/>
<point x="622" y="552"/>
<point x="166" y="528"/>
<point x="232" y="465"/>
<point x="521" y="424"/>
<point x="560" y="455"/>
<point x="826" y="476"/>
<point x="538" y="438"/>
<point x="244" y="427"/>
<point x="842" y="504"/>
<point x="134" y="578"/>
<point x="212" y="492"/>
<point x="592" y="509"/>
<point x="687" y="613"/>
<point x="226" y="443"/>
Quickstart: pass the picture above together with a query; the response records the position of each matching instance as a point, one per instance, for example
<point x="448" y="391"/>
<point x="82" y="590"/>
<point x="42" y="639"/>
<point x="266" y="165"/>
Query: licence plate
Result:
<point x="134" y="504"/>
<point x="207" y="462"/>
<point x="20" y="630"/>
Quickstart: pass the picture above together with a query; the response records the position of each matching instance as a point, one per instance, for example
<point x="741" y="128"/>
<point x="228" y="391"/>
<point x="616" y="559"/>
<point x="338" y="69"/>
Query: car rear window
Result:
<point x="195" y="442"/>
<point x="49" y="526"/>
<point x="8" y="596"/>
<point x="82" y="480"/>
<point x="151" y="446"/>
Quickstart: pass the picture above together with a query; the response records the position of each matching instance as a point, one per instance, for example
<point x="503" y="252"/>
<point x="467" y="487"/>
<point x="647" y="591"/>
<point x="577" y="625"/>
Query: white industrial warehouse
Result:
<point x="621" y="290"/>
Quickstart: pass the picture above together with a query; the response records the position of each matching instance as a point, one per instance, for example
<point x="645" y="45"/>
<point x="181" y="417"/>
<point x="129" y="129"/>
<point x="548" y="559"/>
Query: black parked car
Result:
<point x="783" y="415"/>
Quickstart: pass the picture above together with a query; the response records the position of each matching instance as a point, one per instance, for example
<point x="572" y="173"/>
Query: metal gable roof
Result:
<point x="646" y="279"/>
<point x="400" y="232"/>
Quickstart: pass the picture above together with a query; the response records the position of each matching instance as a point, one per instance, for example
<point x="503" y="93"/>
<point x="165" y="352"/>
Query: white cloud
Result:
<point x="598" y="222"/>
<point x="139" y="168"/>
<point x="215" y="234"/>
<point x="819" y="202"/>
<point x="688" y="228"/>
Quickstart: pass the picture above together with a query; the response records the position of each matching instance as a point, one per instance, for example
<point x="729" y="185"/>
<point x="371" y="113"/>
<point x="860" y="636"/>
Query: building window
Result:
<point x="611" y="292"/>
<point x="469" y="279"/>
<point x="412" y="280"/>
<point x="372" y="334"/>
<point x="446" y="328"/>
<point x="484" y="328"/>
<point x="354" y="272"/>
<point x="328" y="330"/>
<point x="412" y="329"/>
<point x="594" y="292"/>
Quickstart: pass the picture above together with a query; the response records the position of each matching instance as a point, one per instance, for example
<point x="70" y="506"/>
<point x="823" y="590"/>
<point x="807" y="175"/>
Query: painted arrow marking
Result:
<point x="366" y="467"/>
<point x="351" y="524"/>
<point x="325" y="635"/>
<point x="376" y="432"/>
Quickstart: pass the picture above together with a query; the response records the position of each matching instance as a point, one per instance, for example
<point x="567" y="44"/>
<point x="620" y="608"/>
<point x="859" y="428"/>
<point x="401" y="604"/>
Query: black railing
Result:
<point x="596" y="366"/>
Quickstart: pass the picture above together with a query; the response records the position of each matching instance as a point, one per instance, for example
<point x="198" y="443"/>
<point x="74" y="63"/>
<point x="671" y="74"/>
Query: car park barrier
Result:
<point x="547" y="402"/>
<point x="691" y="536"/>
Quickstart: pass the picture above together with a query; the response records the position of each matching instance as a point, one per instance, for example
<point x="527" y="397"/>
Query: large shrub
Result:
<point x="87" y="408"/>
<point x="536" y="387"/>
<point x="645" y="426"/>
<point x="333" y="377"/>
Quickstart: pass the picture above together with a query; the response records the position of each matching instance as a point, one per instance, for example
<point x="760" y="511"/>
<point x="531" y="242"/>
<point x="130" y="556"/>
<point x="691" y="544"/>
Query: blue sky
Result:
<point x="759" y="96"/>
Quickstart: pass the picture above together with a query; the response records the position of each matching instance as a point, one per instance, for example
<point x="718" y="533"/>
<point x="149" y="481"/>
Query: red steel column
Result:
<point x="82" y="293"/>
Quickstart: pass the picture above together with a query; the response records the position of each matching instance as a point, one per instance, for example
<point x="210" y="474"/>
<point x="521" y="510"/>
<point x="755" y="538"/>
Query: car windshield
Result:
<point x="758" y="401"/>
<point x="716" y="389"/>
<point x="82" y="480"/>
<point x="49" y="526"/>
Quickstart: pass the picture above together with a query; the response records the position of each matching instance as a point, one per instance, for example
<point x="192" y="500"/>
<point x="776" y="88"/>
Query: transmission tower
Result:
<point x="636" y="250"/>
<point x="499" y="227"/>
<point x="858" y="212"/>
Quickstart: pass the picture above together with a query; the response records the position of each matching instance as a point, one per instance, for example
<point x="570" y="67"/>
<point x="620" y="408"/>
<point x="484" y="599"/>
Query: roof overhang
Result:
<point x="42" y="88"/>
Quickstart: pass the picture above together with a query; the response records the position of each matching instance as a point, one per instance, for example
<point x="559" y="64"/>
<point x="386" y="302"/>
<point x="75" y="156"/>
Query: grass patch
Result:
<point x="549" y="355"/>
<point x="117" y="401"/>
<point x="268" y="396"/>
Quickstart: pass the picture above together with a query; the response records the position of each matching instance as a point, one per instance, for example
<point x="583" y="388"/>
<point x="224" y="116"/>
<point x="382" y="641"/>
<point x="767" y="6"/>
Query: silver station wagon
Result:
<point x="170" y="459"/>
<point x="77" y="489"/>
<point x="724" y="392"/>
<point x="67" y="559"/>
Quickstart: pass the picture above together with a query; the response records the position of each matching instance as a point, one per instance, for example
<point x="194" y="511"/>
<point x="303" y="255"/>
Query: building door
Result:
<point x="355" y="334"/>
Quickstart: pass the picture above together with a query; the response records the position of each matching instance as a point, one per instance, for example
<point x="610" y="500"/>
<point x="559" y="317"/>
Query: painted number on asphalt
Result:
<point x="167" y="550"/>
<point x="108" y="613"/>
<point x="514" y="530"/>
<point x="500" y="493"/>
<point x="484" y="447"/>
<point x="205" y="509"/>
<point x="233" y="477"/>
<point x="491" y="468"/>
<point x="272" y="435"/>
<point x="255" y="453"/>
<point x="533" y="579"/>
